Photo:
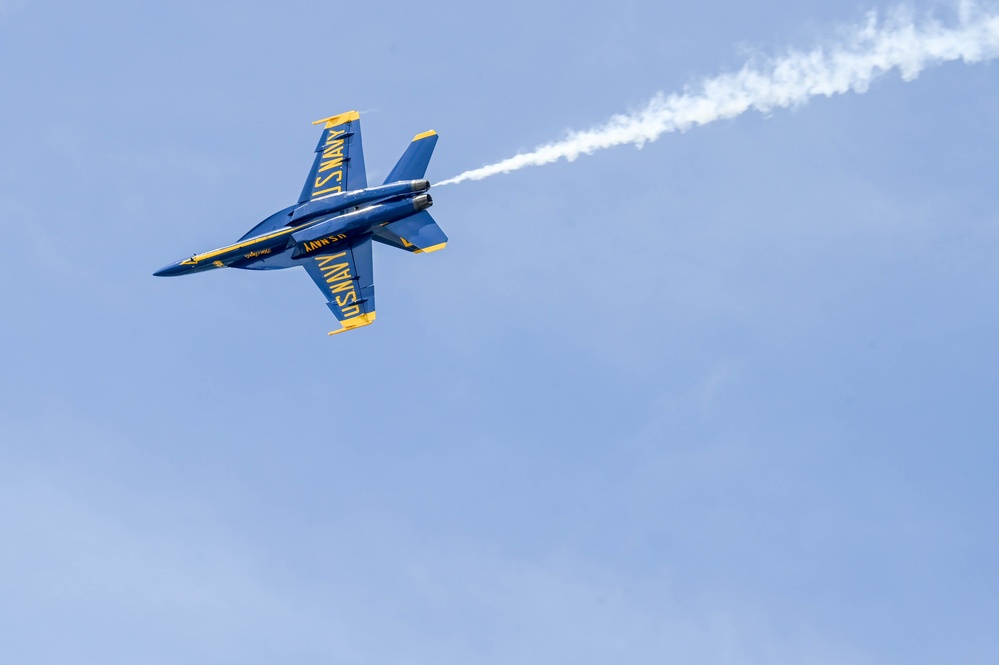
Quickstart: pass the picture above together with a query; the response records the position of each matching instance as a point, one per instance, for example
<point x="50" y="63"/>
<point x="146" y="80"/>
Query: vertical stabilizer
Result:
<point x="413" y="163"/>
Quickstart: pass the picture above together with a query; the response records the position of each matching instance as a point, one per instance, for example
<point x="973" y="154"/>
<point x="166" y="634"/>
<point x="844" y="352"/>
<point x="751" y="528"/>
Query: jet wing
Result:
<point x="339" y="163"/>
<point x="346" y="278"/>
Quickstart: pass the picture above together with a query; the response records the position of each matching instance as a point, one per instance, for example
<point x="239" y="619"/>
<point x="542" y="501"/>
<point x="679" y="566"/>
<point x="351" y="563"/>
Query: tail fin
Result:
<point x="413" y="163"/>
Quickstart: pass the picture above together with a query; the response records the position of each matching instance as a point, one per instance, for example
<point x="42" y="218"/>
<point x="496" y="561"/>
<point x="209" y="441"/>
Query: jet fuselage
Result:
<point x="311" y="228"/>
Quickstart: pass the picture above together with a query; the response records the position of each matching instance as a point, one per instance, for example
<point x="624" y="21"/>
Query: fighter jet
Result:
<point x="329" y="231"/>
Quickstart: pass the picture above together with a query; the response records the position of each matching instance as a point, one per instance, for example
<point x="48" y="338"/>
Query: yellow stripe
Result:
<point x="241" y="245"/>
<point x="425" y="135"/>
<point x="335" y="120"/>
<point x="432" y="248"/>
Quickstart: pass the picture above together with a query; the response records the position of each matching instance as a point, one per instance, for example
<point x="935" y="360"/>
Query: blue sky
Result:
<point x="726" y="399"/>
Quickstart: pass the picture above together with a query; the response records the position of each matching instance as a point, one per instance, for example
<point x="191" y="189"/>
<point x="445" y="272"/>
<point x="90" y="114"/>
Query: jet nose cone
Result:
<point x="171" y="270"/>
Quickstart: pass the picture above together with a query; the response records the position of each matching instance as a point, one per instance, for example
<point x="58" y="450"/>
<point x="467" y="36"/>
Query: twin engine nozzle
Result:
<point x="333" y="203"/>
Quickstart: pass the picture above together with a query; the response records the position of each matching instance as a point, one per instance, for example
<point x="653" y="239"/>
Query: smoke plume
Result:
<point x="866" y="52"/>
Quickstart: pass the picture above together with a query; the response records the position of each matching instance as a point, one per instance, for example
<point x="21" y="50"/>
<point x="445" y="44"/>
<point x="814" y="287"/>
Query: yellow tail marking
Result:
<point x="425" y="135"/>
<point x="335" y="120"/>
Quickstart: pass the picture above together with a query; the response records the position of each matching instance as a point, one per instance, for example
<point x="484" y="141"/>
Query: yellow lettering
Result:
<point x="342" y="286"/>
<point x="324" y="260"/>
<point x="347" y="298"/>
<point x="327" y="268"/>
<point x="326" y="166"/>
<point x="320" y="181"/>
<point x="342" y="270"/>
<point x="330" y="190"/>
<point x="337" y="276"/>
<point x="351" y="311"/>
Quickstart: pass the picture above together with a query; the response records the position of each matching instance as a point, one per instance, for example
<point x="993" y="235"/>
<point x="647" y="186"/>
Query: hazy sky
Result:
<point x="730" y="398"/>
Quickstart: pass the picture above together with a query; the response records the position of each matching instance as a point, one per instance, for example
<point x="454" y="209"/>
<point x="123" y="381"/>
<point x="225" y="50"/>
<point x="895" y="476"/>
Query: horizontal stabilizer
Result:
<point x="413" y="163"/>
<point x="417" y="233"/>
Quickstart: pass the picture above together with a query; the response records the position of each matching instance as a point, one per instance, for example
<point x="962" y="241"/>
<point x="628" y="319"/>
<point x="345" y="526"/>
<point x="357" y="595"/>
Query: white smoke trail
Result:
<point x="867" y="52"/>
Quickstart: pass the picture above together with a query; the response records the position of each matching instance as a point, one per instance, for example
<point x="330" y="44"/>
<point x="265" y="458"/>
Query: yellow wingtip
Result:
<point x="425" y="135"/>
<point x="355" y="322"/>
<point x="339" y="119"/>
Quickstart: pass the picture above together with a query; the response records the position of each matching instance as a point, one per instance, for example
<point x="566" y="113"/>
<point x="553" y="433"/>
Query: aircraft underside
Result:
<point x="330" y="230"/>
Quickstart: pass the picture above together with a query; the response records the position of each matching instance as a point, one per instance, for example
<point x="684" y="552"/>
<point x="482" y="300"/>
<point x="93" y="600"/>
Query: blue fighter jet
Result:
<point x="329" y="231"/>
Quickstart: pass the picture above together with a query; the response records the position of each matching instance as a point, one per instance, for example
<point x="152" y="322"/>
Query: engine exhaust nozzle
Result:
<point x="422" y="202"/>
